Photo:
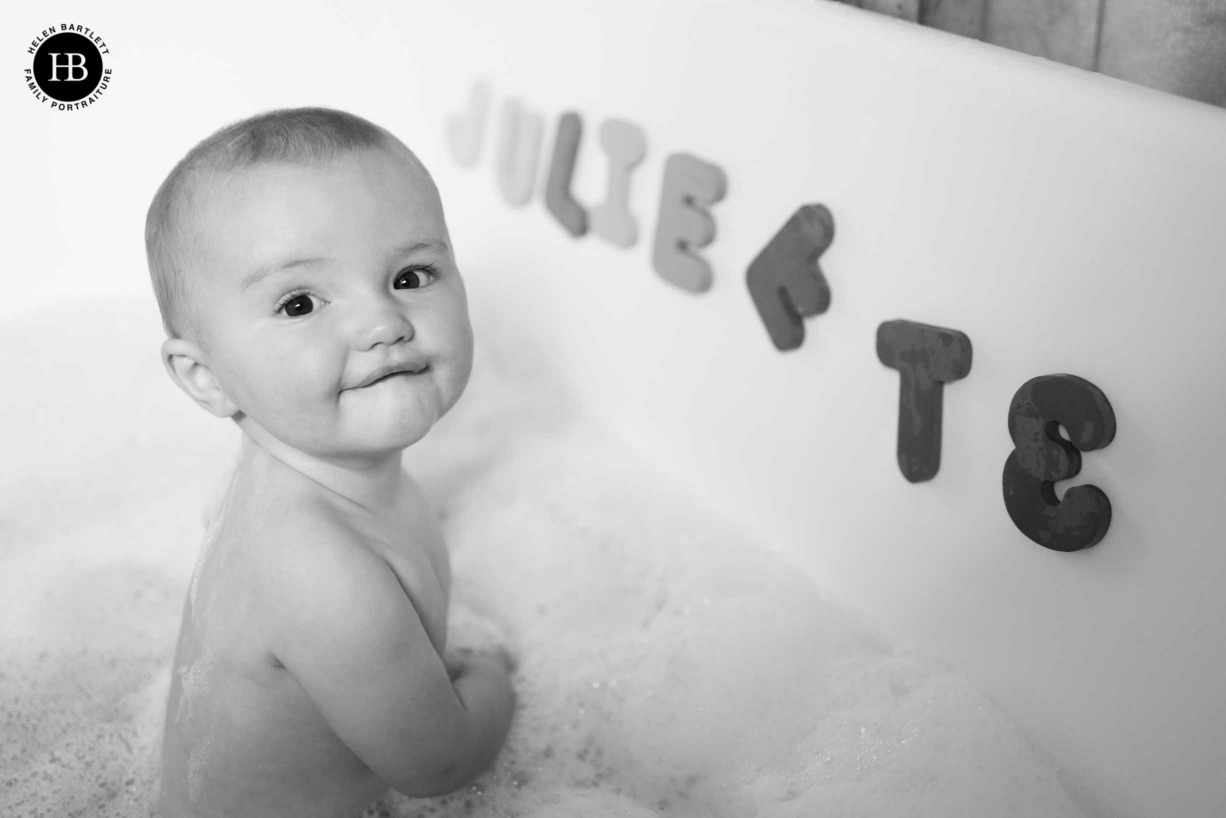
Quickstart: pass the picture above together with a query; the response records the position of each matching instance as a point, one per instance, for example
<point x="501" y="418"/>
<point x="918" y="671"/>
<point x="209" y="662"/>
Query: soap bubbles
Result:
<point x="668" y="664"/>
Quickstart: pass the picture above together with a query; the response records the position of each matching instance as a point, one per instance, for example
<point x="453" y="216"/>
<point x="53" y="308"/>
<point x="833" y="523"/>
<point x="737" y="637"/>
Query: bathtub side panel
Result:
<point x="1064" y="222"/>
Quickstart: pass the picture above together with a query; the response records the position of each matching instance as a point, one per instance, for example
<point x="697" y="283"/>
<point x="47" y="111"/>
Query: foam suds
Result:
<point x="668" y="665"/>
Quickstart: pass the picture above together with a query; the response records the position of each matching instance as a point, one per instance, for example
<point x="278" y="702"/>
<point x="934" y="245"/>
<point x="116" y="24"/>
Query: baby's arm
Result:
<point x="354" y="642"/>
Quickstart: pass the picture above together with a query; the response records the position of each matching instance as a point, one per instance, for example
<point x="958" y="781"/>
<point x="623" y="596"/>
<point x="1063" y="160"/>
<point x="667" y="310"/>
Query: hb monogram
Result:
<point x="71" y="66"/>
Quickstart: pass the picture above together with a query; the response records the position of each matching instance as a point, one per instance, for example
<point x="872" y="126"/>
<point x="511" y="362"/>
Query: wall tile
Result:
<point x="1061" y="30"/>
<point x="964" y="17"/>
<point x="1176" y="45"/>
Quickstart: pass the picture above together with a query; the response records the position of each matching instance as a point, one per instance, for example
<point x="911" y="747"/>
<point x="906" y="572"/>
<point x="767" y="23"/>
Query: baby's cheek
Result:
<point x="307" y="389"/>
<point x="312" y="374"/>
<point x="461" y="358"/>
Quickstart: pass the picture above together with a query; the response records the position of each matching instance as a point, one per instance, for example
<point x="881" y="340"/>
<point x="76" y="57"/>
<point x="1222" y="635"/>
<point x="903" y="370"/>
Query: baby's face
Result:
<point x="315" y="279"/>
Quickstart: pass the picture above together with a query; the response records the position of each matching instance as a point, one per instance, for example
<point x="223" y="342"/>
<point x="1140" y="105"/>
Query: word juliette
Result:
<point x="786" y="285"/>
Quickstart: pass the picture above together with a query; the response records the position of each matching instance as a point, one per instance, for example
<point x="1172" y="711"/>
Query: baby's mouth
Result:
<point x="403" y="373"/>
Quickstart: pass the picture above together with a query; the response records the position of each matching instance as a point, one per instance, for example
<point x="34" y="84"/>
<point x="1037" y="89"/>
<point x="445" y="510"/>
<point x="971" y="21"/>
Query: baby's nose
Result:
<point x="382" y="323"/>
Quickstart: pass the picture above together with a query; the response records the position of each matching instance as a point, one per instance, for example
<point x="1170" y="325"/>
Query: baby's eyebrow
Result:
<point x="265" y="270"/>
<point x="413" y="247"/>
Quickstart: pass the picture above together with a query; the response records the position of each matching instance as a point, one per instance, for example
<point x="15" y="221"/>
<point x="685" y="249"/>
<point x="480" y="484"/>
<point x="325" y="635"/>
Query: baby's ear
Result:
<point x="185" y="363"/>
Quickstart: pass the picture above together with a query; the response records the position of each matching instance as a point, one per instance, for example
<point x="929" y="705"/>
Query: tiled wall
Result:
<point x="1178" y="46"/>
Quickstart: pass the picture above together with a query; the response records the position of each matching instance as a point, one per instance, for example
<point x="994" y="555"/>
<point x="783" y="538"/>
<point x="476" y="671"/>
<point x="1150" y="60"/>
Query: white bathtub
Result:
<point x="1065" y="223"/>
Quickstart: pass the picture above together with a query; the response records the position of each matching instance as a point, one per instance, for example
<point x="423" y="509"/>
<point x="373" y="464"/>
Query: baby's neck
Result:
<point x="375" y="484"/>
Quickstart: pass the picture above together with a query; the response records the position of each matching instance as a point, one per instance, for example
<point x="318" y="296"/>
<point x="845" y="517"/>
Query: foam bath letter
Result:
<point x="690" y="185"/>
<point x="1041" y="457"/>
<point x="626" y="146"/>
<point x="785" y="281"/>
<point x="466" y="130"/>
<point x="520" y="145"/>
<point x="569" y="213"/>
<point x="926" y="358"/>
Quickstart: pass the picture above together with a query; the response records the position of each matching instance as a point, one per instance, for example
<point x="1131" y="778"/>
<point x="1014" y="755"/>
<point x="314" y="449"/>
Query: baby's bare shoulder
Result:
<point x="309" y="545"/>
<point x="320" y="574"/>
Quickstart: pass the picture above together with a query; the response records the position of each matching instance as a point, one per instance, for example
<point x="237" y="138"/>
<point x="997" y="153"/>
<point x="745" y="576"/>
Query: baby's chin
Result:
<point x="364" y="447"/>
<point x="372" y="446"/>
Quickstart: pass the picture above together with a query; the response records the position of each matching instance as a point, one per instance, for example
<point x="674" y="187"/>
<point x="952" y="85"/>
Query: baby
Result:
<point x="310" y="293"/>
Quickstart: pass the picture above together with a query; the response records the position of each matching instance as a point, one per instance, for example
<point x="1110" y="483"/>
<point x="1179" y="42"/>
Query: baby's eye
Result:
<point x="414" y="278"/>
<point x="296" y="304"/>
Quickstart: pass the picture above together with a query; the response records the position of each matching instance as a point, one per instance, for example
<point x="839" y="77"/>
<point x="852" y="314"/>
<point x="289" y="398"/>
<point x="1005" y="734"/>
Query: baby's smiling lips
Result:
<point x="391" y="369"/>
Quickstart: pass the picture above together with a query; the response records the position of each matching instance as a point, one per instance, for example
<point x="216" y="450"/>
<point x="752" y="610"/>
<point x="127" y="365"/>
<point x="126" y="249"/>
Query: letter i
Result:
<point x="626" y="146"/>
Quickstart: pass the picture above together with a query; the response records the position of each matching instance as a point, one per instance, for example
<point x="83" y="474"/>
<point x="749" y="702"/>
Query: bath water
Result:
<point x="669" y="664"/>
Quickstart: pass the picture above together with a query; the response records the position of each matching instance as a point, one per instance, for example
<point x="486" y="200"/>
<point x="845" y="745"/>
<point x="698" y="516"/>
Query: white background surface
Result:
<point x="1064" y="221"/>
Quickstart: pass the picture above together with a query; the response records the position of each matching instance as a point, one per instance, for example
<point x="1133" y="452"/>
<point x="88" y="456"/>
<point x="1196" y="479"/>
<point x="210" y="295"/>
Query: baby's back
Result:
<point x="240" y="732"/>
<point x="242" y="737"/>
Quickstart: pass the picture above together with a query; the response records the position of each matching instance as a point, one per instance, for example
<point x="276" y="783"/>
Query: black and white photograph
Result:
<point x="592" y="409"/>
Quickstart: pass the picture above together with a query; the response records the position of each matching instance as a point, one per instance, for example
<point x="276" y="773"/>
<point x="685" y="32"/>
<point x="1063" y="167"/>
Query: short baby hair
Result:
<point x="296" y="135"/>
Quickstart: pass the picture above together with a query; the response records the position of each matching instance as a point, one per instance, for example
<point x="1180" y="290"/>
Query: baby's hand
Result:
<point x="457" y="660"/>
